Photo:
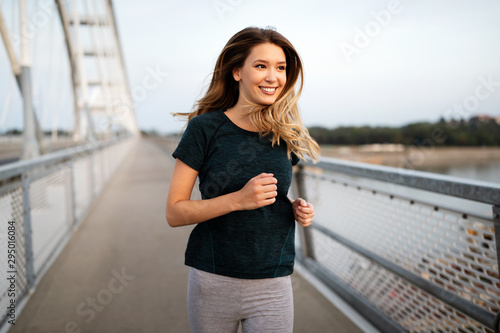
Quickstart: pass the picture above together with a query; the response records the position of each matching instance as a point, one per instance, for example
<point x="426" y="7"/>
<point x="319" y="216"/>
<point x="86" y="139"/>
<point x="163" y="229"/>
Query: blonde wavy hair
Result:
<point x="280" y="120"/>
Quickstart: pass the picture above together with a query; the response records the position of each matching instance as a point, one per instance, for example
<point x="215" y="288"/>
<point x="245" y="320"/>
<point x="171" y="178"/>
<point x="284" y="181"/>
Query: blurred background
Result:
<point x="422" y="58"/>
<point x="401" y="73"/>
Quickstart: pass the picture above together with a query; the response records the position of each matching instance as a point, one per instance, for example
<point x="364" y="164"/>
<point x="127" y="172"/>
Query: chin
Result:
<point x="267" y="102"/>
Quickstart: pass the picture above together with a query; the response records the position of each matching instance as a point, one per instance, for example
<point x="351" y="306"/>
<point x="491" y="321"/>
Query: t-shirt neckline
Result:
<point x="242" y="130"/>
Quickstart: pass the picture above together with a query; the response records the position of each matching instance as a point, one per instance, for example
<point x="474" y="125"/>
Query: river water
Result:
<point x="484" y="171"/>
<point x="489" y="172"/>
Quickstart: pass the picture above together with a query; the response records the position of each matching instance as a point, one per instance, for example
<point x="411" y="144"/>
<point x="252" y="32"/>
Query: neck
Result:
<point x="241" y="109"/>
<point x="240" y="116"/>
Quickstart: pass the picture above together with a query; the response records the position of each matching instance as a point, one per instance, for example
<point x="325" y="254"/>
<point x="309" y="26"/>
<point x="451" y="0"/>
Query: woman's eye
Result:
<point x="260" y="66"/>
<point x="282" y="68"/>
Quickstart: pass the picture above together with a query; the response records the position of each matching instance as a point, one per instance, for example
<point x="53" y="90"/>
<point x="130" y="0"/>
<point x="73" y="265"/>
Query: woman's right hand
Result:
<point x="259" y="191"/>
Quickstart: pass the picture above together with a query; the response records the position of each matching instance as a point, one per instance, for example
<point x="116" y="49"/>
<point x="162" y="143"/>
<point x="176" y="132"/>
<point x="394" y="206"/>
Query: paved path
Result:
<point x="123" y="269"/>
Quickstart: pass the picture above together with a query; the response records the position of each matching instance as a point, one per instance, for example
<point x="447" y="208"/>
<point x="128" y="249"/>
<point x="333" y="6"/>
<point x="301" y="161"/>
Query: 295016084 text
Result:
<point x="11" y="272"/>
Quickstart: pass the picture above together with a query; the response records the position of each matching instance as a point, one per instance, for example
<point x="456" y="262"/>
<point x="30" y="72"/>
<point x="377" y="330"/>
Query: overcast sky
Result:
<point x="366" y="62"/>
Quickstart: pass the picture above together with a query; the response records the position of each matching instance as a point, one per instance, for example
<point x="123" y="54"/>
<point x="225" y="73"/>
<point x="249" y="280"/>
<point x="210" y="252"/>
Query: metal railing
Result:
<point x="411" y="251"/>
<point x="42" y="201"/>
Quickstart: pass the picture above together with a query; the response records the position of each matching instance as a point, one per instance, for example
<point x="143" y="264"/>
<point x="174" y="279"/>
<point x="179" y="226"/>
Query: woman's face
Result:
<point x="263" y="75"/>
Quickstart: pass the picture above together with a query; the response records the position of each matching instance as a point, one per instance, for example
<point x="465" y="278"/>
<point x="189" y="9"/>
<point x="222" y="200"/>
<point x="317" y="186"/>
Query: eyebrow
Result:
<point x="265" y="61"/>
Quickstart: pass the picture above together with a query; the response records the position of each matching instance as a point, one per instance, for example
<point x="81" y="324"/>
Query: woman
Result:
<point x="241" y="141"/>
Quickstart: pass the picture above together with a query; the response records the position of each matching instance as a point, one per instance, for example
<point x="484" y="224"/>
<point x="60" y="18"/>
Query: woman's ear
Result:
<point x="236" y="74"/>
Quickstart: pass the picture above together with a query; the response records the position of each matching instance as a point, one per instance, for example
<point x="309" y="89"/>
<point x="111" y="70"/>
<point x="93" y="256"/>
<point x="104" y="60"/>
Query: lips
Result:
<point x="268" y="90"/>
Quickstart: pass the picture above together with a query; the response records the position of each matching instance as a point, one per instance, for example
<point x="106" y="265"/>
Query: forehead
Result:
<point x="268" y="52"/>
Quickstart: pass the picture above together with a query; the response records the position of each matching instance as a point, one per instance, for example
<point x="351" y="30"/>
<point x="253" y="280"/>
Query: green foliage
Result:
<point x="13" y="131"/>
<point x="476" y="131"/>
<point x="152" y="132"/>
<point x="60" y="132"/>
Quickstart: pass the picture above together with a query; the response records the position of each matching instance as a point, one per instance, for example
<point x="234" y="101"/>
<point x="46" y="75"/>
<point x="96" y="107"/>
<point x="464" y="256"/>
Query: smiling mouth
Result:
<point x="269" y="90"/>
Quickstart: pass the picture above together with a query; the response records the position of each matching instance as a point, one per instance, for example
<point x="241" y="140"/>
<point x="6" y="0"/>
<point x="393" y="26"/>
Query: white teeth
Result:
<point x="268" y="89"/>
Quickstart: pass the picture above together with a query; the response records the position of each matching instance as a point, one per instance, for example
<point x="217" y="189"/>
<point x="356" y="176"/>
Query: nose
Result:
<point x="271" y="75"/>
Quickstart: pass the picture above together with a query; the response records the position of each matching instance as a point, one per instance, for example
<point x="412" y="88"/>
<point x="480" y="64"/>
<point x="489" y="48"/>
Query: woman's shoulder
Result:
<point x="205" y="124"/>
<point x="208" y="118"/>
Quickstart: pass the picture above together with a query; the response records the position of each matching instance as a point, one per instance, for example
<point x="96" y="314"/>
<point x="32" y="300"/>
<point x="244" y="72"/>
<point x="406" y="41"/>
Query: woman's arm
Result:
<point x="181" y="210"/>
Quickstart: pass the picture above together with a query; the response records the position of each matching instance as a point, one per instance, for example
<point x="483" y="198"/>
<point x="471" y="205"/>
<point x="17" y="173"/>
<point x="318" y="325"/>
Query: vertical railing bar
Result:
<point x="304" y="233"/>
<point x="105" y="165"/>
<point x="496" y="223"/>
<point x="28" y="235"/>
<point x="103" y="172"/>
<point x="92" y="177"/>
<point x="73" y="192"/>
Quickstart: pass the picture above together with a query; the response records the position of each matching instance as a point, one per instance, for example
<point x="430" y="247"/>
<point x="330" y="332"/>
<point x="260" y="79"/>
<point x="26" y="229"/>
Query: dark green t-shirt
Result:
<point x="249" y="244"/>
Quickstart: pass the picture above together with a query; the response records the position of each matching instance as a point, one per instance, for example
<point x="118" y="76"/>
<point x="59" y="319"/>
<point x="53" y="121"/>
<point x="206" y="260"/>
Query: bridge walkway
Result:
<point x="123" y="271"/>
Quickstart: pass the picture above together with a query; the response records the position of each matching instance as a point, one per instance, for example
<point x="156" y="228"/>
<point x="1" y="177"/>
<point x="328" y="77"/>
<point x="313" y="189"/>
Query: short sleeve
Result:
<point x="191" y="148"/>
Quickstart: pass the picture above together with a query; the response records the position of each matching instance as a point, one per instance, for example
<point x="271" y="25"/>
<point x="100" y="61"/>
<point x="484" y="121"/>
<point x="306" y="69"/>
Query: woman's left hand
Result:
<point x="303" y="212"/>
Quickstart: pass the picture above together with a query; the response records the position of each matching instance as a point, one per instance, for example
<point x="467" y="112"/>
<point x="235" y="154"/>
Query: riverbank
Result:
<point x="414" y="157"/>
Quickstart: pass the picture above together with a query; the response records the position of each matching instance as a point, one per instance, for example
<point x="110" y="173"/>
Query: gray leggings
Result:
<point x="217" y="304"/>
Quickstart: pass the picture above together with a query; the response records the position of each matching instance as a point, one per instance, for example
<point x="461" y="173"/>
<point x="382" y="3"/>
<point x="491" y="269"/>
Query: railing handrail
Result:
<point x="20" y="167"/>
<point x="475" y="190"/>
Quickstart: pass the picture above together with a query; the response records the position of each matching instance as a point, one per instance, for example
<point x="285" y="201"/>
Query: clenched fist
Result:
<point x="303" y="212"/>
<point x="259" y="191"/>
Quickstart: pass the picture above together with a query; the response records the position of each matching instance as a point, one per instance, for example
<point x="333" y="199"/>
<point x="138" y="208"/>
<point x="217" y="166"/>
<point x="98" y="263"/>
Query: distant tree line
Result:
<point x="17" y="131"/>
<point x="13" y="131"/>
<point x="477" y="131"/>
<point x="151" y="132"/>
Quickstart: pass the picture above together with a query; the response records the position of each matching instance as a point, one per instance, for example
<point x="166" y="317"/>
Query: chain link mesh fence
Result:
<point x="57" y="198"/>
<point x="450" y="248"/>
